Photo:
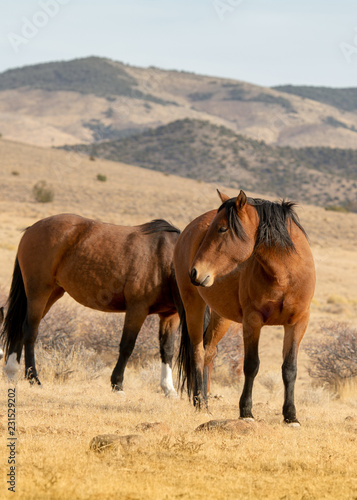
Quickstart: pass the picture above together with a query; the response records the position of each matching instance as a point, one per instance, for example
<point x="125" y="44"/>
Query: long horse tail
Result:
<point x="12" y="332"/>
<point x="185" y="362"/>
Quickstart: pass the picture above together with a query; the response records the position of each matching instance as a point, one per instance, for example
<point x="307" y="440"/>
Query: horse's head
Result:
<point x="229" y="240"/>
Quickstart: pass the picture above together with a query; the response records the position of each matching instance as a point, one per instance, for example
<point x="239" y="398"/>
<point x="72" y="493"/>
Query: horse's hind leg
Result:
<point x="36" y="310"/>
<point x="251" y="334"/>
<point x="168" y="327"/>
<point x="292" y="339"/>
<point x="134" y="319"/>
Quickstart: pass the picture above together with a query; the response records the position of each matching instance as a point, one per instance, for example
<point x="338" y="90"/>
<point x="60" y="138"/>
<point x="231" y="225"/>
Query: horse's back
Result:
<point x="101" y="265"/>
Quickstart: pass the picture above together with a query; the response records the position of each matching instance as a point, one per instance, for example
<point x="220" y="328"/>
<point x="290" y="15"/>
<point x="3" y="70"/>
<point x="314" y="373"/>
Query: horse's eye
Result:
<point x="223" y="229"/>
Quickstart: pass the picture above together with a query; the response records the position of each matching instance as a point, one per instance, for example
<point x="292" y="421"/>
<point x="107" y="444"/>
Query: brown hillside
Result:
<point x="101" y="99"/>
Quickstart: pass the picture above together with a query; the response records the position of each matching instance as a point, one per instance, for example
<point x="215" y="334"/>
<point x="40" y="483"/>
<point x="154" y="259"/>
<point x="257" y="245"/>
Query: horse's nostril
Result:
<point x="193" y="274"/>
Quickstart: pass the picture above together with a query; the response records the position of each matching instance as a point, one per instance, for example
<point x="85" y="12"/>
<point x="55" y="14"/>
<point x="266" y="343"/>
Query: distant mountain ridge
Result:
<point x="92" y="75"/>
<point x="345" y="99"/>
<point x="93" y="99"/>
<point x="201" y="150"/>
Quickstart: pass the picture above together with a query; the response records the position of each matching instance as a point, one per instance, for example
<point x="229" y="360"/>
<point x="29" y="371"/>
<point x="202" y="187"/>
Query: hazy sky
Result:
<point x="267" y="42"/>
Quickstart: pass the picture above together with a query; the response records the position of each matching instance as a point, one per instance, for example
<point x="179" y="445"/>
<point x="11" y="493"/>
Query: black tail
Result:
<point x="11" y="333"/>
<point x="185" y="357"/>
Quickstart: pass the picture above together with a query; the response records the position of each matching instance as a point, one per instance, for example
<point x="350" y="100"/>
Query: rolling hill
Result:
<point x="93" y="99"/>
<point x="202" y="150"/>
<point x="344" y="99"/>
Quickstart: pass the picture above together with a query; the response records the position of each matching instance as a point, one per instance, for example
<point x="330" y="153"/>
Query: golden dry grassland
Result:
<point x="56" y="423"/>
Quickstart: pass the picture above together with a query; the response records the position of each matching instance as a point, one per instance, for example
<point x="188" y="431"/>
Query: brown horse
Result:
<point x="102" y="266"/>
<point x="251" y="263"/>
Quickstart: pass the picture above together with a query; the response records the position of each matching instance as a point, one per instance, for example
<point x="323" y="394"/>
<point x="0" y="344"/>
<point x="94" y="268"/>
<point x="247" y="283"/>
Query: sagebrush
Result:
<point x="333" y="354"/>
<point x="42" y="192"/>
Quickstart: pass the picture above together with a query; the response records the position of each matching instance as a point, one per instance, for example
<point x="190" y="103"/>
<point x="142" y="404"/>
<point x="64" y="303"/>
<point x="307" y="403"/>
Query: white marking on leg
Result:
<point x="1" y="353"/>
<point x="167" y="384"/>
<point x="12" y="366"/>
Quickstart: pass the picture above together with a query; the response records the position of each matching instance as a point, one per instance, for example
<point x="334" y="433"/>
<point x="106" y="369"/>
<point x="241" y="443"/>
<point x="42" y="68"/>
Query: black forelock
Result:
<point x="273" y="222"/>
<point x="234" y="222"/>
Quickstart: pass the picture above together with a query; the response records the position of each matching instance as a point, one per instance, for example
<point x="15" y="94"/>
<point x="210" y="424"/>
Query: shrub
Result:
<point x="101" y="177"/>
<point x="42" y="192"/>
<point x="15" y="172"/>
<point x="59" y="364"/>
<point x="334" y="356"/>
<point x="102" y="334"/>
<point x="337" y="208"/>
<point x="64" y="327"/>
<point x="58" y="327"/>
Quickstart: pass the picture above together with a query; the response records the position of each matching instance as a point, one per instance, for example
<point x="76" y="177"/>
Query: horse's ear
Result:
<point x="223" y="196"/>
<point x="241" y="200"/>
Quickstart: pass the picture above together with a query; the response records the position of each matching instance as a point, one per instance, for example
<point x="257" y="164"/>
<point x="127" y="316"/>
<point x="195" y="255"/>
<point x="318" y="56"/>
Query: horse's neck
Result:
<point x="275" y="264"/>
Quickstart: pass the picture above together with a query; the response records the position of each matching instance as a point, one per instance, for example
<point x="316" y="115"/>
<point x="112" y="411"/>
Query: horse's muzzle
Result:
<point x="195" y="281"/>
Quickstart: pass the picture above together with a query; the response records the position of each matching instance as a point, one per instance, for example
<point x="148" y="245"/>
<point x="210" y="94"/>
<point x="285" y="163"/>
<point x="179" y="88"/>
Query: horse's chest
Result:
<point x="223" y="300"/>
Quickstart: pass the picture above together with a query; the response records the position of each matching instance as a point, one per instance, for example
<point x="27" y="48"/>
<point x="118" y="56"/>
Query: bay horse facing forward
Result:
<point x="102" y="266"/>
<point x="251" y="263"/>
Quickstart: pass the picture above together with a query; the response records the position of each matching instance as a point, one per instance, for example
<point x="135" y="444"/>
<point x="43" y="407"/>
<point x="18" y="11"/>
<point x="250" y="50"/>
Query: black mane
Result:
<point x="273" y="219"/>
<point x="158" y="225"/>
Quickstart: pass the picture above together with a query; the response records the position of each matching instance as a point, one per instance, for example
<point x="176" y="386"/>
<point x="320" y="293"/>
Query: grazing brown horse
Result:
<point x="102" y="266"/>
<point x="251" y="263"/>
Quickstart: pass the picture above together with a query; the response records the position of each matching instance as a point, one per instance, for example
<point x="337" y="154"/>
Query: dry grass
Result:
<point x="57" y="422"/>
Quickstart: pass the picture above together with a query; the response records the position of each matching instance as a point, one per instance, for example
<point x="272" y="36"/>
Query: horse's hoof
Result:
<point x="171" y="394"/>
<point x="35" y="382"/>
<point x="247" y="419"/>
<point x="295" y="424"/>
<point x="120" y="393"/>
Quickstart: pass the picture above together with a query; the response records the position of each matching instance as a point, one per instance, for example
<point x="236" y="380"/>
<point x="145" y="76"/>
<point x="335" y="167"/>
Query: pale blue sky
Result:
<point x="268" y="42"/>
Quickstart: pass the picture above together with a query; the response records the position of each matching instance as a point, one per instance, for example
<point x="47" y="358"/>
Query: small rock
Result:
<point x="153" y="426"/>
<point x="350" y="419"/>
<point x="104" y="442"/>
<point x="130" y="440"/>
<point x="234" y="426"/>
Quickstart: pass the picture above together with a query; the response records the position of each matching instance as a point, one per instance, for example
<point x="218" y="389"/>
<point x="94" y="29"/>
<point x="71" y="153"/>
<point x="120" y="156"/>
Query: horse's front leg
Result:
<point x="134" y="319"/>
<point x="252" y="325"/>
<point x="192" y="353"/>
<point x="292" y="338"/>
